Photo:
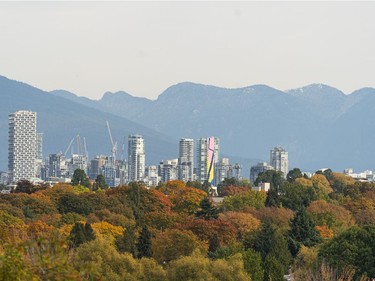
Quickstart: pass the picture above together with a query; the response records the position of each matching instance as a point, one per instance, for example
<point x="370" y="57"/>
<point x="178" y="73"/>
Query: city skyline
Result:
<point x="119" y="45"/>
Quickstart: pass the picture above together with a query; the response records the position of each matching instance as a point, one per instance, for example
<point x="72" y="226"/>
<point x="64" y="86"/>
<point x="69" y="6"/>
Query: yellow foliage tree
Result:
<point x="106" y="230"/>
<point x="244" y="222"/>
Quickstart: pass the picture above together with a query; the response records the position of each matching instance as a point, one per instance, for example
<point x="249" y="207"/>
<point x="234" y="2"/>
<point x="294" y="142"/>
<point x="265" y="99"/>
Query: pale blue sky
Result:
<point x="144" y="47"/>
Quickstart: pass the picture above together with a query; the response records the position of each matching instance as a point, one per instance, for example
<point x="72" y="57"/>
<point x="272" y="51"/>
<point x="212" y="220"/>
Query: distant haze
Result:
<point x="144" y="47"/>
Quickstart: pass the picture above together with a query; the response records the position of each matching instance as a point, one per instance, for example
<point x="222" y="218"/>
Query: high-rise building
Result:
<point x="152" y="176"/>
<point x="224" y="170"/>
<point x="39" y="155"/>
<point x="279" y="160"/>
<point x="39" y="147"/>
<point x="136" y="158"/>
<point x="56" y="165"/>
<point x="97" y="166"/>
<point x="186" y="160"/>
<point x="22" y="146"/>
<point x="167" y="170"/>
<point x="257" y="169"/>
<point x="207" y="157"/>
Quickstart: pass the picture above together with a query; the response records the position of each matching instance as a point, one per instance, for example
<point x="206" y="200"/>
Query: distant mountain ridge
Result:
<point x="319" y="125"/>
<point x="60" y="119"/>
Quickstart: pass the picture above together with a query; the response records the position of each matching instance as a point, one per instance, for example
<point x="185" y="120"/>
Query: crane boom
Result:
<point x="114" y="145"/>
<point x="110" y="134"/>
<point x="70" y="144"/>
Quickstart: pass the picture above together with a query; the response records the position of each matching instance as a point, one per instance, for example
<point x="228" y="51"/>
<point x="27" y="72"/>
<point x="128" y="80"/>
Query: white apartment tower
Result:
<point x="136" y="157"/>
<point x="279" y="160"/>
<point x="207" y="157"/>
<point x="22" y="146"/>
<point x="186" y="160"/>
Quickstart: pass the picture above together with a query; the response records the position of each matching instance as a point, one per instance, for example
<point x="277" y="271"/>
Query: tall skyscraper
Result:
<point x="186" y="160"/>
<point x="279" y="160"/>
<point x="22" y="146"/>
<point x="136" y="157"/>
<point x="207" y="157"/>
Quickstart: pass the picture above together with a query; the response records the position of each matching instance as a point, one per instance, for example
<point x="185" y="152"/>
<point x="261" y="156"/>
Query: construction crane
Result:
<point x="114" y="149"/>
<point x="70" y="144"/>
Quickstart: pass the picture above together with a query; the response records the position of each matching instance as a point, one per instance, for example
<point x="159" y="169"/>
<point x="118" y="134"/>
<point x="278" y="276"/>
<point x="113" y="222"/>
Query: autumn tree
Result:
<point x="173" y="244"/>
<point x="241" y="201"/>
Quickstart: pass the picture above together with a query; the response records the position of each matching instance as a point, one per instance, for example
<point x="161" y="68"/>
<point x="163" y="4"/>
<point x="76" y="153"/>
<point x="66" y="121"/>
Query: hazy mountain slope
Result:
<point x="61" y="119"/>
<point x="317" y="123"/>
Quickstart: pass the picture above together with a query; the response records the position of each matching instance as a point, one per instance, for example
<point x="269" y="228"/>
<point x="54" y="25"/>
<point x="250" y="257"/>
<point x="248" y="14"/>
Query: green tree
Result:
<point x="207" y="210"/>
<point x="100" y="183"/>
<point x="213" y="245"/>
<point x="81" y="233"/>
<point x="353" y="248"/>
<point x="127" y="242"/>
<point x="240" y="201"/>
<point x="253" y="264"/>
<point x="294" y="174"/>
<point x="80" y="178"/>
<point x="275" y="178"/>
<point x="72" y="203"/>
<point x="273" y="198"/>
<point x="24" y="186"/>
<point x="195" y="184"/>
<point x="294" y="196"/>
<point x="302" y="232"/>
<point x="262" y="241"/>
<point x="273" y="249"/>
<point x="273" y="269"/>
<point x="144" y="243"/>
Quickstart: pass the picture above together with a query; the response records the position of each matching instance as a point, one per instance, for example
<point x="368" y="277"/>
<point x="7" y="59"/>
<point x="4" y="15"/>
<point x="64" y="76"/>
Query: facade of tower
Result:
<point x="22" y="146"/>
<point x="279" y="160"/>
<point x="136" y="158"/>
<point x="186" y="160"/>
<point x="207" y="157"/>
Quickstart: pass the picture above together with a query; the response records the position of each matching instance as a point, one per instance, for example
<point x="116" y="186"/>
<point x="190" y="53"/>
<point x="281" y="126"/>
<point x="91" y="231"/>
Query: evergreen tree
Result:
<point x="302" y="232"/>
<point x="80" y="178"/>
<point x="24" y="186"/>
<point x="126" y="242"/>
<point x="262" y="241"/>
<point x="273" y="269"/>
<point x="207" y="210"/>
<point x="144" y="243"/>
<point x="273" y="198"/>
<point x="213" y="245"/>
<point x="294" y="174"/>
<point x="100" y="183"/>
<point x="273" y="250"/>
<point x="253" y="264"/>
<point x="81" y="233"/>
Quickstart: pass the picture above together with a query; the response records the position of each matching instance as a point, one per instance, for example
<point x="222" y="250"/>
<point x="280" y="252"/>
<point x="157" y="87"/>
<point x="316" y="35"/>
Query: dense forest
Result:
<point x="318" y="228"/>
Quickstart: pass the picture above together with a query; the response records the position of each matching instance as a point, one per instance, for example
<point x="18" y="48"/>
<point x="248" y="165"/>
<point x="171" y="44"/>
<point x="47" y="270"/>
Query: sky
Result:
<point x="142" y="48"/>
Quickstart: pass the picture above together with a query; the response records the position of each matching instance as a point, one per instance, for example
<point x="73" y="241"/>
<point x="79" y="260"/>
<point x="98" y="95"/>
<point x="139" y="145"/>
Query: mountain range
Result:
<point x="319" y="125"/>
